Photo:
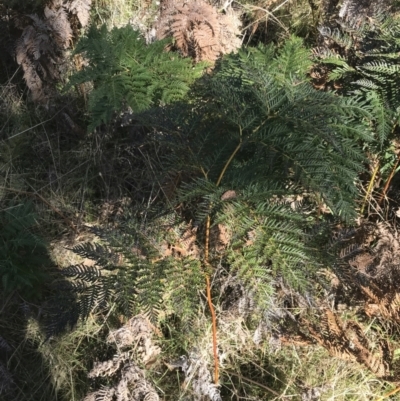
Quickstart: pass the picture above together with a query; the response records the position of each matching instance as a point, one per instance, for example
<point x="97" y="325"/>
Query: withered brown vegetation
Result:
<point x="38" y="43"/>
<point x="373" y="273"/>
<point x="198" y="30"/>
<point x="135" y="345"/>
<point x="366" y="285"/>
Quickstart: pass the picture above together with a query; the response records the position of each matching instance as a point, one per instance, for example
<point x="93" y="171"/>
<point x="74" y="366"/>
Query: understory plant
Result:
<point x="251" y="173"/>
<point x="208" y="224"/>
<point x="255" y="149"/>
<point x="361" y="55"/>
<point x="127" y="72"/>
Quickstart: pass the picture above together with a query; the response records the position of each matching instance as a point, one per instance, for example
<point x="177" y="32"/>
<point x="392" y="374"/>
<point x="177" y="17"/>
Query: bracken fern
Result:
<point x="128" y="73"/>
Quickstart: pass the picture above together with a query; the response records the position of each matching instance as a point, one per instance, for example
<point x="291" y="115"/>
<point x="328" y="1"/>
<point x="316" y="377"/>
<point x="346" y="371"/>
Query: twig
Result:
<point x="388" y="181"/>
<point x="392" y="173"/>
<point x="370" y="186"/>
<point x="228" y="162"/>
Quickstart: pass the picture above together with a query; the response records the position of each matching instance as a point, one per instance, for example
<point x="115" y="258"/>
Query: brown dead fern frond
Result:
<point x="197" y="377"/>
<point x="39" y="49"/>
<point x="81" y="8"/>
<point x="129" y="382"/>
<point x="329" y="334"/>
<point x="36" y="53"/>
<point x="182" y="242"/>
<point x="137" y="334"/>
<point x="220" y="237"/>
<point x="133" y="385"/>
<point x="356" y="9"/>
<point x="57" y="20"/>
<point x="346" y="340"/>
<point x="198" y="30"/>
<point x="373" y="274"/>
<point x="104" y="394"/>
<point x="109" y="368"/>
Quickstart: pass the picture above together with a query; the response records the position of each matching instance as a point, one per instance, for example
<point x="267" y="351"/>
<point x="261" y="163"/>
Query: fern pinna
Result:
<point x="128" y="73"/>
<point x="127" y="269"/>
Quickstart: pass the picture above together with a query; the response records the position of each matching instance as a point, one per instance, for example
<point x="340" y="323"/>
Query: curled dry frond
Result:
<point x="39" y="49"/>
<point x="129" y="381"/>
<point x="198" y="30"/>
<point x="58" y="23"/>
<point x="81" y="8"/>
<point x="138" y="333"/>
<point x="131" y="386"/>
<point x="356" y="9"/>
<point x="348" y="341"/>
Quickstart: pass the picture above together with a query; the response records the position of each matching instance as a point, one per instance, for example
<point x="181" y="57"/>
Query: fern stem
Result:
<point x="396" y="390"/>
<point x="392" y="173"/>
<point x="210" y="304"/>
<point x="230" y="159"/>
<point x="207" y="241"/>
<point x="214" y="330"/>
<point x="370" y="186"/>
<point x="206" y="257"/>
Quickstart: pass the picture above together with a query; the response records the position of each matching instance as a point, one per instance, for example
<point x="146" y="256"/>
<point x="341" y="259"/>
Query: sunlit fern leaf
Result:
<point x="376" y="44"/>
<point x="292" y="62"/>
<point x="99" y="253"/>
<point x="126" y="71"/>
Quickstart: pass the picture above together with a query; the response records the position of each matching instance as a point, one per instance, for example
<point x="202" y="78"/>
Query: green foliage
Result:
<point x="367" y="65"/>
<point x="131" y="271"/>
<point x="257" y="129"/>
<point x="289" y="135"/>
<point x="23" y="255"/>
<point x="127" y="72"/>
<point x="253" y="146"/>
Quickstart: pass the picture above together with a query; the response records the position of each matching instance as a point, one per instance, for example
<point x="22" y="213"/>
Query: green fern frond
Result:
<point x="130" y="272"/>
<point x="382" y="114"/>
<point x="292" y="62"/>
<point x="127" y="72"/>
<point x="184" y="284"/>
<point x="339" y="72"/>
<point x="373" y="73"/>
<point x="83" y="272"/>
<point x="99" y="253"/>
